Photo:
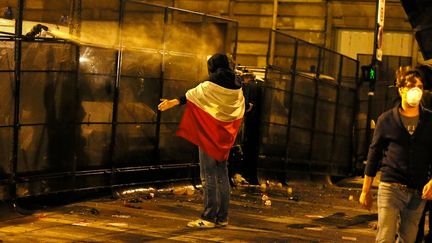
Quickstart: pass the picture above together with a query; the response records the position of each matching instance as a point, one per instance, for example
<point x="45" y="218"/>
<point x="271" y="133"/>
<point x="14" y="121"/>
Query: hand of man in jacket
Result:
<point x="427" y="191"/>
<point x="366" y="200"/>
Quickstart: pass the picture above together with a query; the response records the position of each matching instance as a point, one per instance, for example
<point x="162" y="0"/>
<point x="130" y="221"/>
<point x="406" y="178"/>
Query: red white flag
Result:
<point x="212" y="118"/>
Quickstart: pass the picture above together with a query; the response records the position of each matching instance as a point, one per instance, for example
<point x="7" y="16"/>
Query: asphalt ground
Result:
<point x="300" y="212"/>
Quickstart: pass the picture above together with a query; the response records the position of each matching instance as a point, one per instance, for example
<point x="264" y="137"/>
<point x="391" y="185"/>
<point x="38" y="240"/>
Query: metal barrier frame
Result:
<point x="284" y="162"/>
<point x="112" y="173"/>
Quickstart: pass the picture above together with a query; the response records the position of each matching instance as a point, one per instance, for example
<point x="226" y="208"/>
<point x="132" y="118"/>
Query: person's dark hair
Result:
<point x="218" y="61"/>
<point x="406" y="75"/>
<point x="220" y="71"/>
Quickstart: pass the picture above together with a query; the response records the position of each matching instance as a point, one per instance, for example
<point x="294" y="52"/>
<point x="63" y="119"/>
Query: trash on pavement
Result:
<point x="289" y="190"/>
<point x="263" y="187"/>
<point x="349" y="238"/>
<point x="120" y="216"/>
<point x="117" y="224"/>
<point x="238" y="179"/>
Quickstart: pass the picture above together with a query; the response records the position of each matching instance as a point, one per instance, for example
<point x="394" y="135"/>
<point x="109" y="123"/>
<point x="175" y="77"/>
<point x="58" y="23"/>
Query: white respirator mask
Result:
<point x="414" y="96"/>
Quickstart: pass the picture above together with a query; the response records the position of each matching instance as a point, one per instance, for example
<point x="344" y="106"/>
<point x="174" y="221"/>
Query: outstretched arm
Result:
<point x="168" y="104"/>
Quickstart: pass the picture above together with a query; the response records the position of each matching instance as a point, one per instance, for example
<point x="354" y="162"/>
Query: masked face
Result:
<point x="413" y="96"/>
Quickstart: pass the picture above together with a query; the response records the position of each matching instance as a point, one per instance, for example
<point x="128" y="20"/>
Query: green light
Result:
<point x="372" y="74"/>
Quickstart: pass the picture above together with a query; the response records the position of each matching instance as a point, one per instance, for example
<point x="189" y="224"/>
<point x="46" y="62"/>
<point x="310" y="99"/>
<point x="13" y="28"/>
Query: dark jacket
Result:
<point x="406" y="158"/>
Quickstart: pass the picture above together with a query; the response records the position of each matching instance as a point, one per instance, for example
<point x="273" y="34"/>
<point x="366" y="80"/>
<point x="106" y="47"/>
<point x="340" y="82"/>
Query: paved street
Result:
<point x="298" y="213"/>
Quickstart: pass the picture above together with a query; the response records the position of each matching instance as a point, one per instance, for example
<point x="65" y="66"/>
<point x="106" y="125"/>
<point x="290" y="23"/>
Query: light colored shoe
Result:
<point x="221" y="223"/>
<point x="201" y="223"/>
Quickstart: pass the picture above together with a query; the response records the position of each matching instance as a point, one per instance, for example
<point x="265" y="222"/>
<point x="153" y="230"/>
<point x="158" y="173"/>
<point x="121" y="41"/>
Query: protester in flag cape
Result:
<point x="213" y="114"/>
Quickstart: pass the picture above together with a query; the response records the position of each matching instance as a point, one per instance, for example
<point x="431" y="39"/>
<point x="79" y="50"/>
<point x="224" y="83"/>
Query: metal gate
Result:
<point x="309" y="108"/>
<point x="81" y="112"/>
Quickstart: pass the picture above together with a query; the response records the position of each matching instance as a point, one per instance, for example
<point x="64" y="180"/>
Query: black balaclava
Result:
<point x="220" y="71"/>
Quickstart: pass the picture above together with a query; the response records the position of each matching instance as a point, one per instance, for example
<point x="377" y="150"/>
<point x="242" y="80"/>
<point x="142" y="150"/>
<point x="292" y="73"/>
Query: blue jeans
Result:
<point x="214" y="179"/>
<point x="399" y="211"/>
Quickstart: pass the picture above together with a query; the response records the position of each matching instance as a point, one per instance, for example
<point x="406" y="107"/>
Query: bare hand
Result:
<point x="366" y="200"/>
<point x="427" y="191"/>
<point x="167" y="104"/>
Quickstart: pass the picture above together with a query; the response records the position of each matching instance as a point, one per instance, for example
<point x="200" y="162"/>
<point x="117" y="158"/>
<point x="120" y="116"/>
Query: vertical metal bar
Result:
<point x="17" y="57"/>
<point x="75" y="32"/>
<point x="234" y="54"/>
<point x="315" y="105"/>
<point x="161" y="86"/>
<point x="336" y="115"/>
<point x="274" y="24"/>
<point x="77" y="107"/>
<point x="291" y="101"/>
<point x="263" y="99"/>
<point x="356" y="108"/>
<point x="116" y="89"/>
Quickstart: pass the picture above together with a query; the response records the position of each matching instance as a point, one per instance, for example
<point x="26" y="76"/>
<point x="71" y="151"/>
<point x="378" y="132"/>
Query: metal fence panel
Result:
<point x="87" y="105"/>
<point x="310" y="96"/>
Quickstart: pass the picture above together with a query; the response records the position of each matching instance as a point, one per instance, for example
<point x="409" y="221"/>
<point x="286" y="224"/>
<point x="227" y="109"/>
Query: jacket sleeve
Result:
<point x="182" y="99"/>
<point x="376" y="149"/>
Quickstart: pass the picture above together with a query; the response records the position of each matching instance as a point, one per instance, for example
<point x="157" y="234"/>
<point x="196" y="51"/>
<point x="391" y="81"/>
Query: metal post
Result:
<point x="315" y="105"/>
<point x="17" y="56"/>
<point x="161" y="86"/>
<point x="338" y="90"/>
<point x="291" y="101"/>
<point x="376" y="57"/>
<point x="274" y="24"/>
<point x="116" y="88"/>
<point x="75" y="32"/>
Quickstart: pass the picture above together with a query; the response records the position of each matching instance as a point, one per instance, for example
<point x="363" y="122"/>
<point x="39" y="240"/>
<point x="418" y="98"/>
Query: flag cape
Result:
<point x="212" y="117"/>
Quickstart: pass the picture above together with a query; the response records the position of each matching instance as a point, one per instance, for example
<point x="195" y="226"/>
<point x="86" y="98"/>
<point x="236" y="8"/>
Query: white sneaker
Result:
<point x="201" y="223"/>
<point x="221" y="223"/>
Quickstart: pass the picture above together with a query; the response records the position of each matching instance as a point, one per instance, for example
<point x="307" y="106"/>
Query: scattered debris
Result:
<point x="190" y="190"/>
<point x="314" y="228"/>
<point x="184" y="190"/>
<point x="289" y="190"/>
<point x="42" y="215"/>
<point x="349" y="238"/>
<point x="132" y="206"/>
<point x="117" y="224"/>
<point x="81" y="223"/>
<point x="135" y="194"/>
<point x="263" y="187"/>
<point x="179" y="190"/>
<point x="314" y="216"/>
<point x="120" y="216"/>
<point x="83" y="210"/>
<point x="134" y="200"/>
<point x="238" y="179"/>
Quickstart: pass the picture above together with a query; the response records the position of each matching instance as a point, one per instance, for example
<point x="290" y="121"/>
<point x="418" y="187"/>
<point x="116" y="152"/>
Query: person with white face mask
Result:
<point x="401" y="141"/>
